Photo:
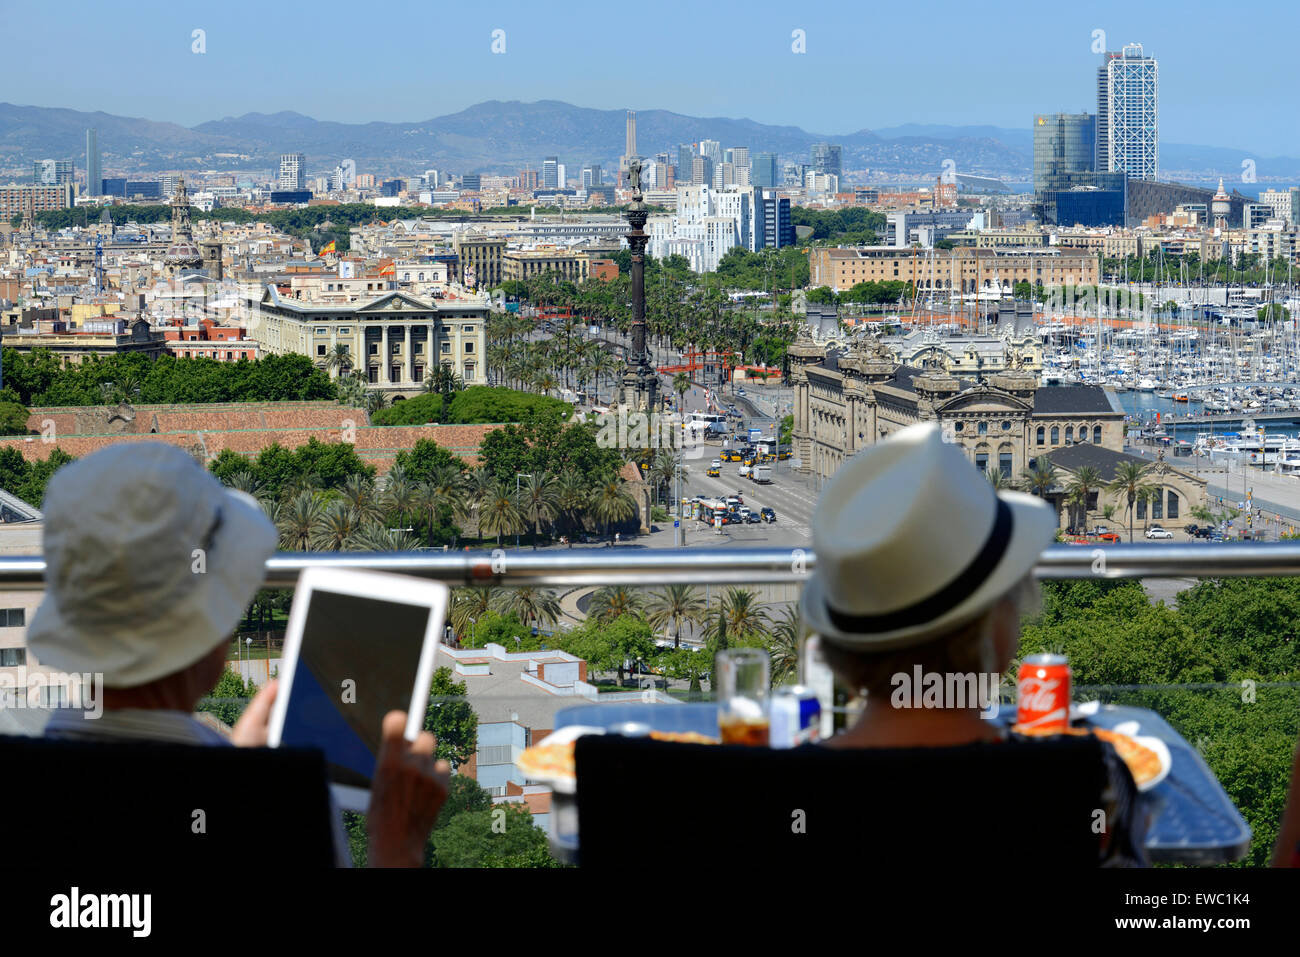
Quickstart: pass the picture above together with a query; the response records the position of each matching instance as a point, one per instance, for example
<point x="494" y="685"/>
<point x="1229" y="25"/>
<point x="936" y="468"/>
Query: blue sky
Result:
<point x="1228" y="73"/>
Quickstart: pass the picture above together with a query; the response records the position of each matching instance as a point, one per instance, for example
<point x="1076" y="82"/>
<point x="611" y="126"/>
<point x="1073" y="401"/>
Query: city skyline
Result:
<point x="966" y="73"/>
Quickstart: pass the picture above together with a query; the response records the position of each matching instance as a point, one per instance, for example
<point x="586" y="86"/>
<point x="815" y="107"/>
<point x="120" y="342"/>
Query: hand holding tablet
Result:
<point x="359" y="645"/>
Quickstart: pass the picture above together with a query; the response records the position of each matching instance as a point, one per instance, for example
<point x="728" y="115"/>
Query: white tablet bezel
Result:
<point x="402" y="589"/>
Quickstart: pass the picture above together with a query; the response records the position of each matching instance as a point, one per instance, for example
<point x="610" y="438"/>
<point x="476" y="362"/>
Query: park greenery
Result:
<point x="476" y="404"/>
<point x="40" y="378"/>
<point x="323" y="497"/>
<point x="1220" y="665"/>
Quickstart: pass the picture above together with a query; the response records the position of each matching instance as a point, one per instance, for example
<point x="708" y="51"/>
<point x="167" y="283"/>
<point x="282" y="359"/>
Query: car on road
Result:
<point x="1155" y="531"/>
<point x="735" y="500"/>
<point x="716" y="464"/>
<point x="767" y="514"/>
<point x="713" y="471"/>
<point x="744" y="470"/>
<point x="1111" y="538"/>
<point x="783" y="454"/>
<point x="752" y="518"/>
<point x="740" y="392"/>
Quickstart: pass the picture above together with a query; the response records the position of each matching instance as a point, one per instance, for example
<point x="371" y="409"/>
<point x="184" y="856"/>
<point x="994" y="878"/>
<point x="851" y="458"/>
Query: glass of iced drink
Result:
<point x="742" y="696"/>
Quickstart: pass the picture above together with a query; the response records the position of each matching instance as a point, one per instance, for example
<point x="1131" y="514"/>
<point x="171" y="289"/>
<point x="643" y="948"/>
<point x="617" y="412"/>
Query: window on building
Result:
<point x="983" y="428"/>
<point x="395" y="374"/>
<point x="1056" y="435"/>
<point x="418" y="374"/>
<point x="320" y="349"/>
<point x="982" y="461"/>
<point x="322" y="331"/>
<point x="1172" y="505"/>
<point x="446" y="348"/>
<point x="1096" y="435"/>
<point x="1069" y="435"/>
<point x="469" y="371"/>
<point x="13" y="657"/>
<point x="469" y="347"/>
<point x="345" y="331"/>
<point x="1004" y="464"/>
<point x="1042" y="435"/>
<point x="1157" y="504"/>
<point x="1006" y="425"/>
<point x="1141" y="509"/>
<point x="374" y="348"/>
<point x="957" y="426"/>
<point x="374" y="373"/>
<point x="13" y="617"/>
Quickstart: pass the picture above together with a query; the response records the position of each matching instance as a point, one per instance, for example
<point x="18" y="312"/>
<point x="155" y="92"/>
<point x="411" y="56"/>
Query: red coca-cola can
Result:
<point x="1043" y="694"/>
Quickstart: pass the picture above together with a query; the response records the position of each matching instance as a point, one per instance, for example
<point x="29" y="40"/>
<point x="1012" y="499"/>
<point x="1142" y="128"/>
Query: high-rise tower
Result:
<point x="94" y="173"/>
<point x="1128" y="114"/>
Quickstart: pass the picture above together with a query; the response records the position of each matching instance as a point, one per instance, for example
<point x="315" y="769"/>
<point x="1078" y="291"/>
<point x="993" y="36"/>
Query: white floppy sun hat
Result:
<point x="911" y="540"/>
<point x="150" y="564"/>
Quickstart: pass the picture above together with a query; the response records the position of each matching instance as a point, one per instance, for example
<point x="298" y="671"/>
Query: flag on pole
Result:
<point x="389" y="270"/>
<point x="327" y="248"/>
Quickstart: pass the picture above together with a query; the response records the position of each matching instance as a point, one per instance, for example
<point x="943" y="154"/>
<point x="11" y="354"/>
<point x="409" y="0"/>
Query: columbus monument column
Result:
<point x="640" y="391"/>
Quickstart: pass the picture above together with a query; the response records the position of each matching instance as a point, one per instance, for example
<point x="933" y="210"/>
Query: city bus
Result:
<point x="711" y="510"/>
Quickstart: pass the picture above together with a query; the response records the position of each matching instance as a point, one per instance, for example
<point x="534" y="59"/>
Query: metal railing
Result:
<point x="728" y="566"/>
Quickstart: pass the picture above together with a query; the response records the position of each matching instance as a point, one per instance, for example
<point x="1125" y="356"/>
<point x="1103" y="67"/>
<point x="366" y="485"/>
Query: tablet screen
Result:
<point x="358" y="660"/>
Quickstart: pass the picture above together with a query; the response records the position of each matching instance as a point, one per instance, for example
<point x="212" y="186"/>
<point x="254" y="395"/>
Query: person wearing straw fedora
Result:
<point x="924" y="569"/>
<point x="150" y="565"/>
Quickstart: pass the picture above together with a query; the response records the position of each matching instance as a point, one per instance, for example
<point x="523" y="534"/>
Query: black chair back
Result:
<point x="147" y="804"/>
<point x="723" y="806"/>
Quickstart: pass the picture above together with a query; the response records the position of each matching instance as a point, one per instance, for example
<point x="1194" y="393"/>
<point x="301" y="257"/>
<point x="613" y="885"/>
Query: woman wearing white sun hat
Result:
<point x="150" y="565"/>
<point x="920" y="562"/>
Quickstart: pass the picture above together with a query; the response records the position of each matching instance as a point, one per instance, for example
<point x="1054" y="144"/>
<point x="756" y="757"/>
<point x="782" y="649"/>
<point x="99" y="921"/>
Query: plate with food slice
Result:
<point x="551" y="760"/>
<point x="1147" y="757"/>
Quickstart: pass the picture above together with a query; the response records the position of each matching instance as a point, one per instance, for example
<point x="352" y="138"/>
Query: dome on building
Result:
<point x="182" y="252"/>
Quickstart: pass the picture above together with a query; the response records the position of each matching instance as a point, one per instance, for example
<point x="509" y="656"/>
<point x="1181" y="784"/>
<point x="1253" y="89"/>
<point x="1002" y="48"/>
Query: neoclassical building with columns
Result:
<point x="394" y="339"/>
<point x="846" y="400"/>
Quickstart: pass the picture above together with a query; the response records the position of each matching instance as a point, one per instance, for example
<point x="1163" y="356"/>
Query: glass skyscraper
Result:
<point x="1128" y="103"/>
<point x="1064" y="143"/>
<point x="765" y="171"/>
<point x="94" y="173"/>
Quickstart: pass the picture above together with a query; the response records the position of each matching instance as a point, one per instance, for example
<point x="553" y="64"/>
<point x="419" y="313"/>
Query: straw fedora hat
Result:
<point x="911" y="540"/>
<point x="150" y="563"/>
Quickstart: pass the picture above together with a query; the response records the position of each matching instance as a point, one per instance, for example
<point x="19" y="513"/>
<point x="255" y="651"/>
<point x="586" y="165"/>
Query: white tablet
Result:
<point x="358" y="645"/>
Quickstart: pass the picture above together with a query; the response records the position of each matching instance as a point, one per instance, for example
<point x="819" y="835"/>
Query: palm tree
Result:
<point x="1131" y="482"/>
<point x="998" y="479"/>
<point x="611" y="504"/>
<point x="340" y="358"/>
<point x="399" y="494"/>
<point x="449" y="481"/>
<point x="336" y="527"/>
<point x="538" y="501"/>
<point x="681" y="385"/>
<point x="571" y="497"/>
<point x="1040" y="476"/>
<point x="1086" y="481"/>
<point x="787" y="638"/>
<point x="358" y="491"/>
<point x="675" y="605"/>
<point x="298" y="520"/>
<point x="499" y="514"/>
<point x="614" y="601"/>
<point x="533" y="605"/>
<point x="468" y="605"/>
<point x="740" y="615"/>
<point x="244" y="481"/>
<point x="374" y="537"/>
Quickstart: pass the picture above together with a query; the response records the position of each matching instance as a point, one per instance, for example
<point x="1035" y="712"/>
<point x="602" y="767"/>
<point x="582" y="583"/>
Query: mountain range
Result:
<point x="503" y="137"/>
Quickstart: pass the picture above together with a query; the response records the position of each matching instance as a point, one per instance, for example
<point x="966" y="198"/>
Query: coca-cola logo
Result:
<point x="1038" y="694"/>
